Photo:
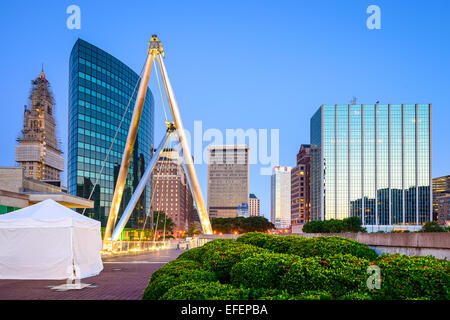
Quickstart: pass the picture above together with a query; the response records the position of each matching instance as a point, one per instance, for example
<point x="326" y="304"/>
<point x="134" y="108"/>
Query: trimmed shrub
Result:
<point x="351" y="224"/>
<point x="416" y="277"/>
<point x="355" y="296"/>
<point x="173" y="274"/>
<point x="258" y="239"/>
<point x="331" y="245"/>
<point x="194" y="254"/>
<point x="157" y="288"/>
<point x="310" y="247"/>
<point x="264" y="270"/>
<point x="336" y="274"/>
<point x="175" y="268"/>
<point x="205" y="291"/>
<point x="222" y="255"/>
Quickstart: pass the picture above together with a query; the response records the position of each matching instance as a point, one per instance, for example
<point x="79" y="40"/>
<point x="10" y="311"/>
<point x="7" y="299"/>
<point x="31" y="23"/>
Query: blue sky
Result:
<point x="241" y="64"/>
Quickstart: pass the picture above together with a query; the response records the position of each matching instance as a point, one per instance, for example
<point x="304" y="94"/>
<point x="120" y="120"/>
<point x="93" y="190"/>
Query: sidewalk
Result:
<point x="122" y="278"/>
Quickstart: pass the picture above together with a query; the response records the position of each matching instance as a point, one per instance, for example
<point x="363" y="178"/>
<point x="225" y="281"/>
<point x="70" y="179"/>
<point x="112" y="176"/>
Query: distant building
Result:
<point x="300" y="187"/>
<point x="38" y="151"/>
<point x="243" y="210"/>
<point x="281" y="197"/>
<point x="170" y="189"/>
<point x="372" y="161"/>
<point x="441" y="187"/>
<point x="100" y="89"/>
<point x="253" y="206"/>
<point x="443" y="209"/>
<point x="228" y="179"/>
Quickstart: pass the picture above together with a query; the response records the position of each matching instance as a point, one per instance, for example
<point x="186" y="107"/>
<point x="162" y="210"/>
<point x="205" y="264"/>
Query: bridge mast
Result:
<point x="155" y="50"/>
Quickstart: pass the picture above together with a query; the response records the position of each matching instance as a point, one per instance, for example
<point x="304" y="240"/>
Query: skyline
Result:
<point x="302" y="74"/>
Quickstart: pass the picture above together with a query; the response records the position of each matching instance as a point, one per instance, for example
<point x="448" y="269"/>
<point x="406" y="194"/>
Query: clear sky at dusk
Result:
<point x="240" y="64"/>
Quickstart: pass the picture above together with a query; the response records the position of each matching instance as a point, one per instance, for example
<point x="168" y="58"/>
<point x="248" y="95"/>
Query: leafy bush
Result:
<point x="194" y="254"/>
<point x="432" y="226"/>
<point x="205" y="291"/>
<point x="309" y="247"/>
<point x="331" y="245"/>
<point x="221" y="255"/>
<point x="241" y="224"/>
<point x="175" y="273"/>
<point x="351" y="224"/>
<point x="264" y="270"/>
<point x="175" y="268"/>
<point x="336" y="274"/>
<point x="157" y="288"/>
<point x="256" y="239"/>
<point x="413" y="277"/>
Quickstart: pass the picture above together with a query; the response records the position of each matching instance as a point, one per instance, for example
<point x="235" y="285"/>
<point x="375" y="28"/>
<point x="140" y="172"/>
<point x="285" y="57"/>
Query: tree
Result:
<point x="432" y="226"/>
<point x="241" y="224"/>
<point x="163" y="221"/>
<point x="193" y="230"/>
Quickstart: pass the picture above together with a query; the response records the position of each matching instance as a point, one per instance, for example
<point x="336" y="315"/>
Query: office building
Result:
<point x="441" y="187"/>
<point x="171" y="192"/>
<point x="443" y="209"/>
<point x="300" y="189"/>
<point x="374" y="162"/>
<point x="228" y="179"/>
<point x="100" y="89"/>
<point x="281" y="197"/>
<point x="38" y="151"/>
<point x="253" y="206"/>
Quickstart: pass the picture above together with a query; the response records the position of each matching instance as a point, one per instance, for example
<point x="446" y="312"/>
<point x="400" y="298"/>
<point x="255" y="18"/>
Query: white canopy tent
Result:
<point x="49" y="241"/>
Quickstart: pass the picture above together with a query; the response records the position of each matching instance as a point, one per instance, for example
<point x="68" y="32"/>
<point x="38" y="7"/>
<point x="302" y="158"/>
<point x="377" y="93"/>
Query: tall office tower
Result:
<point x="171" y="192"/>
<point x="38" y="151"/>
<point x="373" y="162"/>
<point x="253" y="206"/>
<point x="300" y="187"/>
<point x="228" y="179"/>
<point x="281" y="197"/>
<point x="100" y="89"/>
<point x="441" y="187"/>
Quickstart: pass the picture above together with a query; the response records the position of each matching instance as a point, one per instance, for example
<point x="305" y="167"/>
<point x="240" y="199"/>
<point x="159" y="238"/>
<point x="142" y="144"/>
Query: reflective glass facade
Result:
<point x="99" y="91"/>
<point x="372" y="161"/>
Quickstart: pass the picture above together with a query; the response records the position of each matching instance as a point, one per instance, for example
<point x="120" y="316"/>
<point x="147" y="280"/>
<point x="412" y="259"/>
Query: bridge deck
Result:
<point x="123" y="278"/>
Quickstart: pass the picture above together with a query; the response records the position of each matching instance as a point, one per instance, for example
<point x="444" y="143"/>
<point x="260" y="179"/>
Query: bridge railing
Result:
<point x="132" y="247"/>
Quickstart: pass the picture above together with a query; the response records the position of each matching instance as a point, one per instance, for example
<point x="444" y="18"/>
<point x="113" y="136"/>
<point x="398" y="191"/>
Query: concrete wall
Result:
<point x="412" y="244"/>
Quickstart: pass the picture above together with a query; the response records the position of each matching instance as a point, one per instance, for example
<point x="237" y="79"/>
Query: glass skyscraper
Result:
<point x="99" y="91"/>
<point x="280" y="202"/>
<point x="373" y="162"/>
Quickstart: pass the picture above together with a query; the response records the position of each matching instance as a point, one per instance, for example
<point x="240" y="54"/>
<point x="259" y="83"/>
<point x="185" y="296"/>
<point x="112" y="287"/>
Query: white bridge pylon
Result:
<point x="155" y="51"/>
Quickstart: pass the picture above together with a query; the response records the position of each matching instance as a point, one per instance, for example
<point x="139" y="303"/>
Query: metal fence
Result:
<point x="133" y="247"/>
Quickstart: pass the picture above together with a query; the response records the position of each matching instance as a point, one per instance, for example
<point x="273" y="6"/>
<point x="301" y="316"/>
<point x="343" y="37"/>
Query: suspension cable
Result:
<point x="160" y="91"/>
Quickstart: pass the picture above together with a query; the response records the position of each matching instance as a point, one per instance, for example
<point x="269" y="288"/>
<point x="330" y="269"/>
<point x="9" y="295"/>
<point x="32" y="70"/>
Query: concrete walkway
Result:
<point x="122" y="278"/>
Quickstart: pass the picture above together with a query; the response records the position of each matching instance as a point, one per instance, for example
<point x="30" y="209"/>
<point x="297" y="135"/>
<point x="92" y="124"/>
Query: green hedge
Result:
<point x="413" y="278"/>
<point x="221" y="255"/>
<point x="264" y="270"/>
<point x="173" y="274"/>
<point x="309" y="247"/>
<point x="336" y="275"/>
<point x="205" y="291"/>
<point x="265" y="267"/>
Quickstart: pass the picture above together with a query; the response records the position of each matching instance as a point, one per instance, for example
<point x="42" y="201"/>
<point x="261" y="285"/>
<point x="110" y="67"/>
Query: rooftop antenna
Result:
<point x="353" y="101"/>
